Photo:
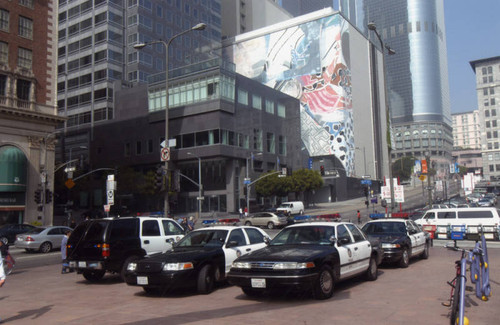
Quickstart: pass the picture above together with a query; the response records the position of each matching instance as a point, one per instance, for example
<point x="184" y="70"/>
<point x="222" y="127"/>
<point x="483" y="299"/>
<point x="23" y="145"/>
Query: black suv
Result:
<point x="109" y="244"/>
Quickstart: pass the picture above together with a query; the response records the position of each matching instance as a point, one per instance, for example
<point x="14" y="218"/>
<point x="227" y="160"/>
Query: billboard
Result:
<point x="310" y="61"/>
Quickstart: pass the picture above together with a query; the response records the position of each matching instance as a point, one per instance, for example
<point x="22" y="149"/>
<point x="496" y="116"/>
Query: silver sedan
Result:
<point x="41" y="239"/>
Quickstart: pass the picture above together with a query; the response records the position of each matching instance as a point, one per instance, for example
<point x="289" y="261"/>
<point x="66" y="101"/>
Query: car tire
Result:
<point x="93" y="276"/>
<point x="252" y="292"/>
<point x="248" y="223"/>
<point x="270" y="225"/>
<point x="206" y="280"/>
<point x="324" y="284"/>
<point x="404" y="262"/>
<point x="4" y="240"/>
<point x="372" y="272"/>
<point x="124" y="266"/>
<point x="45" y="247"/>
<point x="425" y="253"/>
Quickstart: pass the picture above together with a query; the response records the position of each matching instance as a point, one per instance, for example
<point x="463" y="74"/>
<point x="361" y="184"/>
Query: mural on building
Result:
<point x="311" y="62"/>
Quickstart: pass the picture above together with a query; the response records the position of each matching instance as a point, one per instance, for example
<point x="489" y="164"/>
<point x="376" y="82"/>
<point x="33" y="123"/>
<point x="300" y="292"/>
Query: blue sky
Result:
<point x="472" y="33"/>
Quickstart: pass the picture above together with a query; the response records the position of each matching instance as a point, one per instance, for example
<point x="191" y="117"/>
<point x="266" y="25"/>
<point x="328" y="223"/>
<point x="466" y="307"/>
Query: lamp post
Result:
<point x="364" y="158"/>
<point x="248" y="184"/>
<point x="44" y="174"/>
<point x="200" y="187"/>
<point x="429" y="188"/>
<point x="371" y="26"/>
<point x="200" y="26"/>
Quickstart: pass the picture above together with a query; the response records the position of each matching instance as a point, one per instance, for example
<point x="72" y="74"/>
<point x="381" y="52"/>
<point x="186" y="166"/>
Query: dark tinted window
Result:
<point x="475" y="214"/>
<point x="55" y="231"/>
<point x="150" y="228"/>
<point x="446" y="215"/>
<point x="355" y="233"/>
<point x="124" y="228"/>
<point x="254" y="235"/>
<point x="78" y="232"/>
<point x="171" y="228"/>
<point x="36" y="231"/>
<point x="237" y="236"/>
<point x="96" y="231"/>
<point x="343" y="233"/>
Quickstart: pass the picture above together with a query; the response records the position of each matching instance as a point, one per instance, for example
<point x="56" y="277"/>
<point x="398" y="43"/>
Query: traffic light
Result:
<point x="159" y="178"/>
<point x="322" y="170"/>
<point x="38" y="196"/>
<point x="48" y="196"/>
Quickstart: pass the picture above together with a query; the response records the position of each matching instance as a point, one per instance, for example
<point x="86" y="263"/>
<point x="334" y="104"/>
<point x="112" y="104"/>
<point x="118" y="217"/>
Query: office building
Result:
<point x="467" y="140"/>
<point x="28" y="113"/>
<point x="417" y="76"/>
<point x="487" y="72"/>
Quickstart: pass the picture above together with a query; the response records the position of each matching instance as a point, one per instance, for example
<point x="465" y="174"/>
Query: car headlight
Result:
<point x="178" y="266"/>
<point x="292" y="265"/>
<point x="131" y="266"/>
<point x="387" y="245"/>
<point x="241" y="265"/>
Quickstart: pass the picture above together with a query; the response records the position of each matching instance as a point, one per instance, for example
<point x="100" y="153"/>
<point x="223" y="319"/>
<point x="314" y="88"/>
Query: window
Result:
<point x="358" y="237"/>
<point x="150" y="228"/>
<point x="242" y="97"/>
<point x="126" y="150"/>
<point x="342" y="234"/>
<point x="254" y="236"/>
<point x="23" y="89"/>
<point x="27" y="3"/>
<point x="25" y="27"/>
<point x="271" y="143"/>
<point x="256" y="102"/>
<point x="269" y="106"/>
<point x="281" y="110"/>
<point x="4" y="20"/>
<point x="24" y="58"/>
<point x="282" y="145"/>
<point x="4" y="52"/>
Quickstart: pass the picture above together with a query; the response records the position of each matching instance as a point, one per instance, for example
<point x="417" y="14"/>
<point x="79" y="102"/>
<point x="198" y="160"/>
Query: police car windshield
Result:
<point x="374" y="228"/>
<point x="202" y="238"/>
<point x="307" y="235"/>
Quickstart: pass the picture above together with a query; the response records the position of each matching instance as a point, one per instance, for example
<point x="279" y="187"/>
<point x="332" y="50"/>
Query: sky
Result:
<point x="472" y="33"/>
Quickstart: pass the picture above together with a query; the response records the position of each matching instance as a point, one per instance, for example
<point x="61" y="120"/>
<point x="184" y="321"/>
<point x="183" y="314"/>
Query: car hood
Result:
<point x="185" y="254"/>
<point x="296" y="253"/>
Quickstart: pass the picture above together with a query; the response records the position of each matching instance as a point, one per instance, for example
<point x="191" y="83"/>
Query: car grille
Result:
<point x="148" y="267"/>
<point x="262" y="265"/>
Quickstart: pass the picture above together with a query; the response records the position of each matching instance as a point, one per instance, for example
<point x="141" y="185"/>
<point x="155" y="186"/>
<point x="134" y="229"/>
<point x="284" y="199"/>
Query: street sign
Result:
<point x="421" y="177"/>
<point x="366" y="182"/>
<point x="69" y="183"/>
<point x="200" y="198"/>
<point x="165" y="154"/>
<point x="107" y="207"/>
<point x="111" y="197"/>
<point x="366" y="176"/>
<point x="246" y="181"/>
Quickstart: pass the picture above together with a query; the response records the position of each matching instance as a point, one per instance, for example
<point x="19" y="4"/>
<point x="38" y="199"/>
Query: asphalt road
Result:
<point x="42" y="295"/>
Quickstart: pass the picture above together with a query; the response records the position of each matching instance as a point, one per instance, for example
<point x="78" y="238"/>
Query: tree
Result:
<point x="403" y="167"/>
<point x="306" y="180"/>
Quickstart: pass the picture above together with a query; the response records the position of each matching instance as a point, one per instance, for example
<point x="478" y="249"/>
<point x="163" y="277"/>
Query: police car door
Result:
<point x="362" y="249"/>
<point x="345" y="247"/>
<point x="151" y="238"/>
<point x="232" y="252"/>
<point x="417" y="238"/>
<point x="173" y="232"/>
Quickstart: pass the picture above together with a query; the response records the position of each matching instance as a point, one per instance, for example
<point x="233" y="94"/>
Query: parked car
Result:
<point x="42" y="239"/>
<point x="292" y="207"/>
<point x="492" y="197"/>
<point x="9" y="232"/>
<point x="98" y="246"/>
<point x="401" y="239"/>
<point x="308" y="257"/>
<point x="474" y="197"/>
<point x="266" y="219"/>
<point x="496" y="191"/>
<point x="199" y="260"/>
<point x="485" y="202"/>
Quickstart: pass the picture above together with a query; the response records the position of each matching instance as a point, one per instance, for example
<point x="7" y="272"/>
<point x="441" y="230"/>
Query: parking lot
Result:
<point x="42" y="295"/>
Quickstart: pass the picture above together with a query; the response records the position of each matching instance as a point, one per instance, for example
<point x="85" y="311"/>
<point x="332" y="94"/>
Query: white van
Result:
<point x="292" y="207"/>
<point x="449" y="223"/>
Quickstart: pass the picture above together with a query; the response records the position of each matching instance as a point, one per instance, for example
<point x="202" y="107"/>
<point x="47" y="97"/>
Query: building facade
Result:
<point x="487" y="72"/>
<point x="467" y="141"/>
<point x="28" y="113"/>
<point x="237" y="128"/>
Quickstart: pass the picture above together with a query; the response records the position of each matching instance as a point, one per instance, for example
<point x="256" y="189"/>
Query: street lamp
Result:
<point x="247" y="178"/>
<point x="44" y="174"/>
<point x="364" y="158"/>
<point x="371" y="26"/>
<point x="140" y="46"/>
<point x="429" y="188"/>
<point x="200" y="187"/>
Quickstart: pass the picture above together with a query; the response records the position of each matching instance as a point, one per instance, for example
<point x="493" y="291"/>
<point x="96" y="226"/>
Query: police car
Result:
<point x="401" y="239"/>
<point x="308" y="257"/>
<point x="200" y="259"/>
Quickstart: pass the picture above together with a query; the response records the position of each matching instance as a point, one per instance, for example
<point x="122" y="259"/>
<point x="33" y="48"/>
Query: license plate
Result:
<point x="142" y="280"/>
<point x="489" y="236"/>
<point x="72" y="264"/>
<point x="82" y="264"/>
<point x="258" y="283"/>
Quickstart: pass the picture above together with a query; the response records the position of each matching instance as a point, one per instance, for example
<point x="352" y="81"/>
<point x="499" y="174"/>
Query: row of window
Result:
<point x="488" y="112"/>
<point x="417" y="143"/>
<point x="86" y="98"/>
<point x="411" y="27"/>
<point x="25" y="24"/>
<point x="492" y="145"/>
<point x="492" y="167"/>
<point x="24" y="56"/>
<point x="85" y="61"/>
<point x="85" y="118"/>
<point x="243" y="98"/>
<point x="417" y="133"/>
<point x="22" y="88"/>
<point x="491" y="124"/>
<point x="492" y="135"/>
<point x="87" y="79"/>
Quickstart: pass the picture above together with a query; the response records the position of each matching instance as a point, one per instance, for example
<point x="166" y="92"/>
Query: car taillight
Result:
<point x="29" y="238"/>
<point x="105" y="250"/>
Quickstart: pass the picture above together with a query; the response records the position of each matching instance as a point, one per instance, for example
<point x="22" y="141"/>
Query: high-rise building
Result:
<point x="417" y="75"/>
<point x="28" y="114"/>
<point x="96" y="54"/>
<point x="302" y="7"/>
<point x="467" y="140"/>
<point x="487" y="72"/>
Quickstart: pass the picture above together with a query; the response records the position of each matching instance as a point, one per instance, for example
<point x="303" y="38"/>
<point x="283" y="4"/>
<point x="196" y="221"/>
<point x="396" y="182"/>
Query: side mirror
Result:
<point x="232" y="243"/>
<point x="343" y="241"/>
<point x="266" y="240"/>
<point x="332" y="240"/>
